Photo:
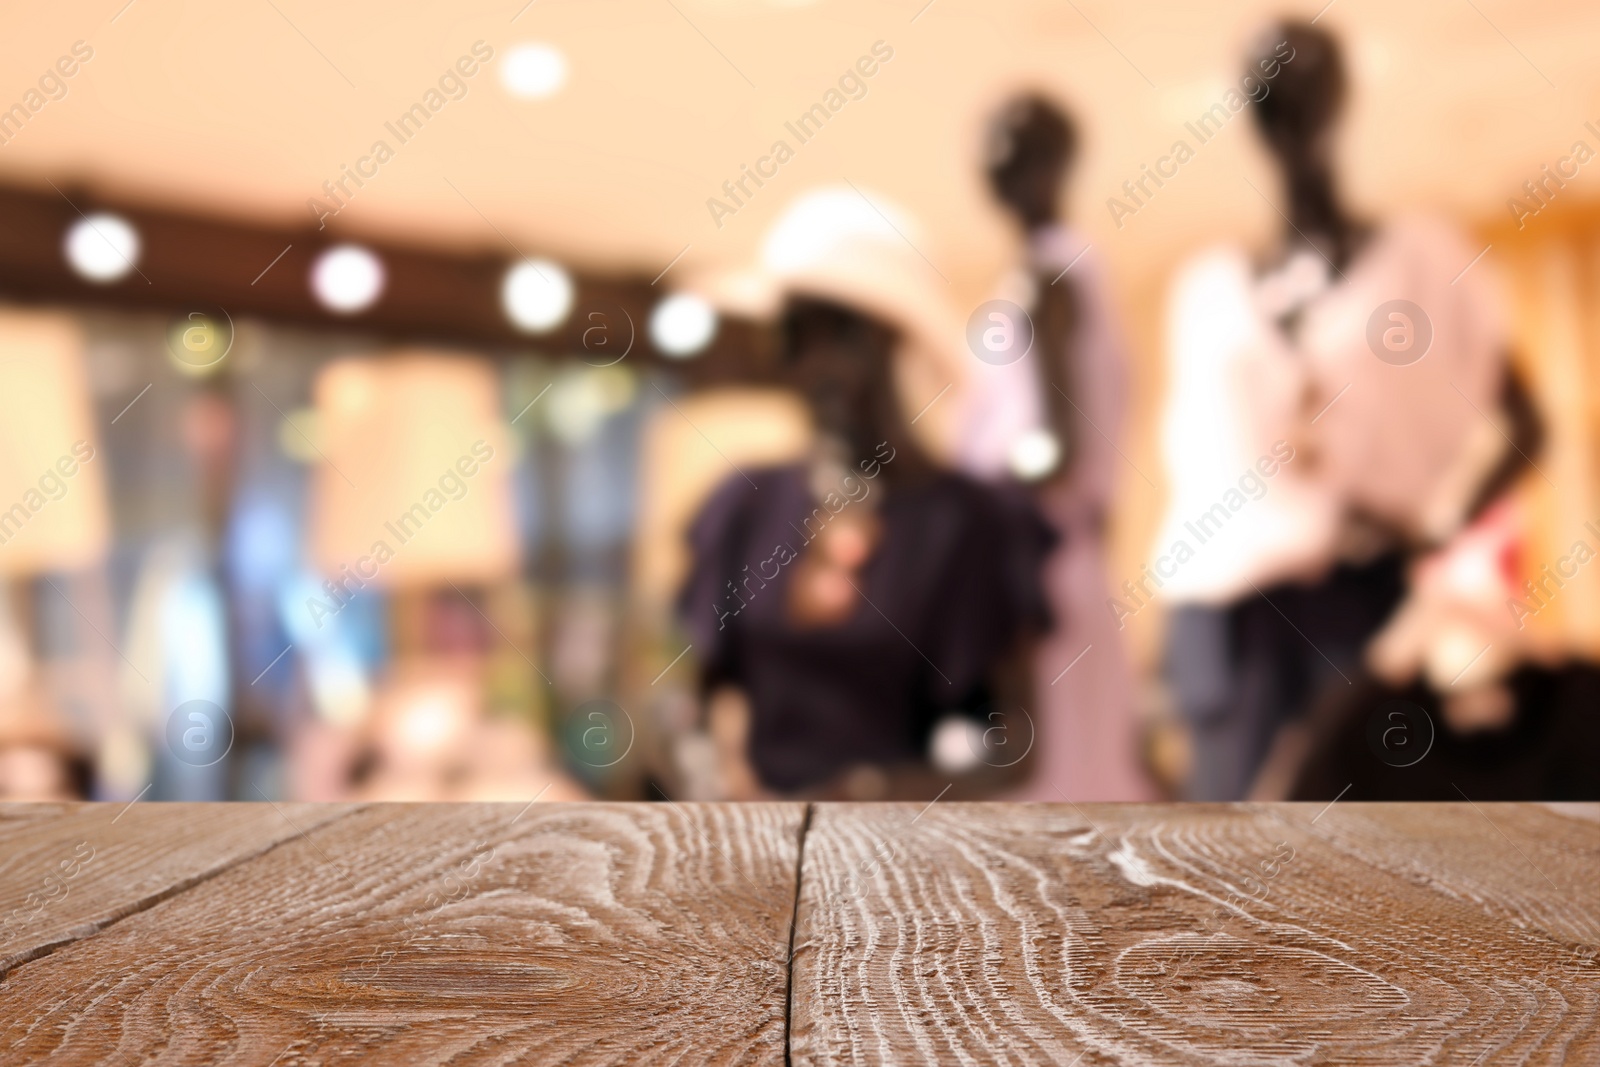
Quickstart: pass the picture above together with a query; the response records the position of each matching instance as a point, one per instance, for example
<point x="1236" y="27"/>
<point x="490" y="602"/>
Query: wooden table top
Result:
<point x="291" y="934"/>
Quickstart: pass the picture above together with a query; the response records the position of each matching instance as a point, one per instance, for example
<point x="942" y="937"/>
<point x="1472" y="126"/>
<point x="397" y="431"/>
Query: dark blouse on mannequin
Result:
<point x="949" y="592"/>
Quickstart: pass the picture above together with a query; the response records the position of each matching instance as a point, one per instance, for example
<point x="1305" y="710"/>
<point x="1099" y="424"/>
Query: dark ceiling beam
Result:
<point x="191" y="261"/>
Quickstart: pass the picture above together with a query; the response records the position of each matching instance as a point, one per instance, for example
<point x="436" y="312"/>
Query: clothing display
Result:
<point x="949" y="590"/>
<point x="1385" y="435"/>
<point x="1087" y="734"/>
<point x="1460" y="694"/>
<point x="1550" y="750"/>
<point x="1317" y="423"/>
<point x="1242" y="670"/>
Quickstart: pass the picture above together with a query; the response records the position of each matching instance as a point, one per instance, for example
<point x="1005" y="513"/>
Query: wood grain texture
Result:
<point x="68" y="870"/>
<point x="1203" y="934"/>
<point x="461" y="934"/>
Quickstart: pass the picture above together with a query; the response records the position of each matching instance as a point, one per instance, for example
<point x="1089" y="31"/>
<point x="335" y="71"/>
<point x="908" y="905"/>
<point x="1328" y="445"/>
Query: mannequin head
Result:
<point x="1031" y="144"/>
<point x="842" y="361"/>
<point x="1296" y="119"/>
<point x="1297" y="116"/>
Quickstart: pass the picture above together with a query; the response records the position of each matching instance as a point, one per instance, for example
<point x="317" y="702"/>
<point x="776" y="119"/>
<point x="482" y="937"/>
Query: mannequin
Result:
<point x="860" y="594"/>
<point x="1374" y="456"/>
<point x="1050" y="419"/>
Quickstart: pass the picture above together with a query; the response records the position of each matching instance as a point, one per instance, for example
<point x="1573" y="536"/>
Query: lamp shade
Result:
<point x="414" y="487"/>
<point x="53" y="512"/>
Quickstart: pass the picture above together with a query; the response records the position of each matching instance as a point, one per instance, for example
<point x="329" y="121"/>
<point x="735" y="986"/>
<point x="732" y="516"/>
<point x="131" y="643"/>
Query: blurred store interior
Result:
<point x="346" y="472"/>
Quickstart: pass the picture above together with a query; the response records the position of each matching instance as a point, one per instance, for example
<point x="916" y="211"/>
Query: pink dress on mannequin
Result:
<point x="1086" y="732"/>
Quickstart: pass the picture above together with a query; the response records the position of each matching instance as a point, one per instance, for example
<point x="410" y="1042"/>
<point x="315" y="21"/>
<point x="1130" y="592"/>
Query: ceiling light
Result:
<point x="537" y="295"/>
<point x="102" y="248"/>
<point x="533" y="71"/>
<point x="347" y="279"/>
<point x="682" y="325"/>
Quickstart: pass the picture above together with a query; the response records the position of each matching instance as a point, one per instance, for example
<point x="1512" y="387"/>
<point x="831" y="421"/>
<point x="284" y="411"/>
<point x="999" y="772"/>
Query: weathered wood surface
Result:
<point x="1267" y="934"/>
<point x="660" y="933"/>
<point x="68" y="870"/>
<point x="464" y="934"/>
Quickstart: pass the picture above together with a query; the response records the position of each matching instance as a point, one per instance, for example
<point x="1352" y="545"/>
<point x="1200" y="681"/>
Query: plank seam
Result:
<point x="794" y="923"/>
<point x="90" y="929"/>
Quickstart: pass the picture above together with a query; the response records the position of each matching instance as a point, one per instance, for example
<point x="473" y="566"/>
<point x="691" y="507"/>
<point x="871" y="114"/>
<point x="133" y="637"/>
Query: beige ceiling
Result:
<point x="230" y="108"/>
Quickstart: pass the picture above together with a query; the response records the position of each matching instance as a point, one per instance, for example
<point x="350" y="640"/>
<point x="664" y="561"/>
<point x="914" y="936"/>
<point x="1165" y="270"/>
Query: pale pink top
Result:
<point x="1004" y="402"/>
